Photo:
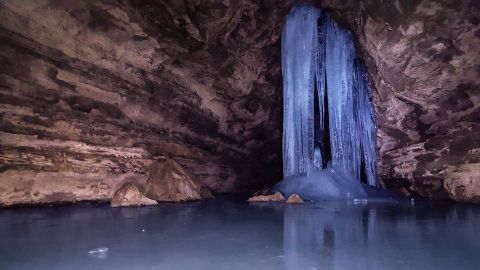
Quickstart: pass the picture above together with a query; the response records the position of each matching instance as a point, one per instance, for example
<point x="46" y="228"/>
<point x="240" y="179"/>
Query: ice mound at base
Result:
<point x="325" y="184"/>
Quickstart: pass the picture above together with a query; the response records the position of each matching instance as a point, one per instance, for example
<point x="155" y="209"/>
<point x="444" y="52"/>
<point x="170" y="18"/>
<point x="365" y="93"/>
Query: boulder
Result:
<point x="206" y="194"/>
<point x="462" y="182"/>
<point x="169" y="182"/>
<point x="129" y="195"/>
<point x="294" y="198"/>
<point x="277" y="197"/>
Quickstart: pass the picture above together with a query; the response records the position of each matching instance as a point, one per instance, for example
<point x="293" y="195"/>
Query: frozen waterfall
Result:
<point x="329" y="132"/>
<point x="299" y="66"/>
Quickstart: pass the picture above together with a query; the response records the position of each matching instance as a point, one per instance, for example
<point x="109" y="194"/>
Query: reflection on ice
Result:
<point x="380" y="235"/>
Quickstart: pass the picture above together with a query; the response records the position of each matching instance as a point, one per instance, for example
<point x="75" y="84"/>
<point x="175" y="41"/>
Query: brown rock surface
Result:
<point x="277" y="197"/>
<point x="129" y="195"/>
<point x="169" y="182"/>
<point x="294" y="198"/>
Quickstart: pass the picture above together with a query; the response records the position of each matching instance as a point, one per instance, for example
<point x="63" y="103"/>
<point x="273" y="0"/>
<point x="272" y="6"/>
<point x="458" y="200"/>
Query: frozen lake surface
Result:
<point x="229" y="233"/>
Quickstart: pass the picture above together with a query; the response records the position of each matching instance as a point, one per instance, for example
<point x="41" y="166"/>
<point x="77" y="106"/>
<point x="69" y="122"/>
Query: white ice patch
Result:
<point x="100" y="252"/>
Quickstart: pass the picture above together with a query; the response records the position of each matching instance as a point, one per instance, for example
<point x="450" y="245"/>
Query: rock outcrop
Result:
<point x="130" y="195"/>
<point x="295" y="199"/>
<point x="205" y="193"/>
<point x="169" y="182"/>
<point x="276" y="197"/>
<point x="463" y="182"/>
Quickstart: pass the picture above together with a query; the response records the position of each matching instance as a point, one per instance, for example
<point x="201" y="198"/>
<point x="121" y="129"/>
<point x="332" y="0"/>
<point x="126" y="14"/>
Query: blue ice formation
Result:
<point x="299" y="66"/>
<point x="318" y="58"/>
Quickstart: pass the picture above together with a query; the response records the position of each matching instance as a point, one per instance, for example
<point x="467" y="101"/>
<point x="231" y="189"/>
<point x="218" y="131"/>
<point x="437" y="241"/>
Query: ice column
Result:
<point x="340" y="54"/>
<point x="299" y="56"/>
<point x="363" y="110"/>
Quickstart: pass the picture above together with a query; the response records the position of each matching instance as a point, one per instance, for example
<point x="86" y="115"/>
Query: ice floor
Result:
<point x="229" y="233"/>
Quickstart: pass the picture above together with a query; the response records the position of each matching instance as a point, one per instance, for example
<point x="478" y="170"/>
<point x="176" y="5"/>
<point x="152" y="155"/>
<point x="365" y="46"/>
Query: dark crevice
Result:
<point x="322" y="137"/>
<point x="326" y="122"/>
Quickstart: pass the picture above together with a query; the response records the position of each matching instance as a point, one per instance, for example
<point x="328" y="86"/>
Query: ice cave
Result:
<point x="252" y="134"/>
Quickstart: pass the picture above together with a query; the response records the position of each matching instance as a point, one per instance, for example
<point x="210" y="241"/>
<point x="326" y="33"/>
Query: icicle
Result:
<point x="352" y="124"/>
<point x="299" y="49"/>
<point x="339" y="68"/>
<point x="366" y="123"/>
<point x="317" y="159"/>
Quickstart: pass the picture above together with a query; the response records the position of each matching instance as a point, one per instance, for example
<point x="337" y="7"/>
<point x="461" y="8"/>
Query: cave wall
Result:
<point x="91" y="92"/>
<point x="428" y="87"/>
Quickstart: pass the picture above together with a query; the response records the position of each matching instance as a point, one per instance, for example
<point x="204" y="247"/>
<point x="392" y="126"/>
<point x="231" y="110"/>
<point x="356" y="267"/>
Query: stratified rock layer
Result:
<point x="130" y="195"/>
